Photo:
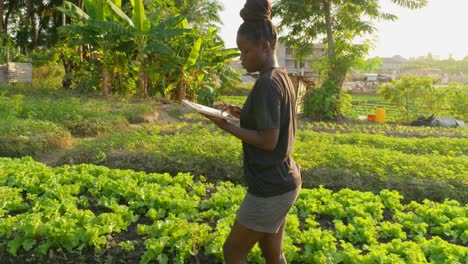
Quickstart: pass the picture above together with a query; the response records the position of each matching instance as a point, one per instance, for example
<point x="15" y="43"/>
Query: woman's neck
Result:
<point x="271" y="63"/>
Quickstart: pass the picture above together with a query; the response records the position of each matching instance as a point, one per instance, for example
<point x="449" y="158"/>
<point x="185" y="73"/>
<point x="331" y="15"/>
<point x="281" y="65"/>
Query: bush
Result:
<point x="48" y="75"/>
<point x="458" y="104"/>
<point x="326" y="102"/>
<point x="417" y="97"/>
<point x="44" y="57"/>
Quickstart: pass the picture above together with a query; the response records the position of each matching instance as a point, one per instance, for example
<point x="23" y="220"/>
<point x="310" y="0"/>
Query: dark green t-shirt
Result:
<point x="271" y="104"/>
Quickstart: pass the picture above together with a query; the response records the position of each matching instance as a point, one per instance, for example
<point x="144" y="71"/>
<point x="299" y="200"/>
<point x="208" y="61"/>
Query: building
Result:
<point x="393" y="64"/>
<point x="292" y="66"/>
<point x="286" y="60"/>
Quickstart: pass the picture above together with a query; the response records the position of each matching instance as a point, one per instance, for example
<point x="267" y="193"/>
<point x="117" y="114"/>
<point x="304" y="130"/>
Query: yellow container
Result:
<point x="380" y="115"/>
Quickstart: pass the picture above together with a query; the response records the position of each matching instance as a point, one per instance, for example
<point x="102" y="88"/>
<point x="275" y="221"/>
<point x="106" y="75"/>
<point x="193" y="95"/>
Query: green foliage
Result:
<point x="417" y="161"/>
<point x="168" y="57"/>
<point x="77" y="209"/>
<point x="416" y="97"/>
<point x="75" y="115"/>
<point x="388" y="130"/>
<point x="337" y="25"/>
<point x="20" y="137"/>
<point x="365" y="157"/>
<point x="326" y="102"/>
<point x="31" y="137"/>
<point x="127" y="245"/>
<point x="456" y="95"/>
<point x="44" y="57"/>
<point x="449" y="65"/>
<point x="204" y="69"/>
<point x="8" y="47"/>
<point x="166" y="148"/>
<point x="48" y="75"/>
<point x="81" y="117"/>
<point x="368" y="66"/>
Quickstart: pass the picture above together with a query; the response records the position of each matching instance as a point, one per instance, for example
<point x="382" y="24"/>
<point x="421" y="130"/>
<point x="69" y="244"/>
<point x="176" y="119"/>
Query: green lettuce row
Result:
<point x="177" y="218"/>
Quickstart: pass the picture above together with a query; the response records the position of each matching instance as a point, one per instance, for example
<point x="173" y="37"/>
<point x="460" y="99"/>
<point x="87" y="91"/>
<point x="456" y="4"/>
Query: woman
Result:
<point x="267" y="130"/>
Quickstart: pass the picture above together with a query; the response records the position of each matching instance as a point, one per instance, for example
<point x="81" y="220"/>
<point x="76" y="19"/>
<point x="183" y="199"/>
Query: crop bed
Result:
<point x="88" y="214"/>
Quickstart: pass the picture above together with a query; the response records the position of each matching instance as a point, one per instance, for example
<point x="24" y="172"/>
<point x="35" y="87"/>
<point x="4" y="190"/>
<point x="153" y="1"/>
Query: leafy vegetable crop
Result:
<point x="74" y="208"/>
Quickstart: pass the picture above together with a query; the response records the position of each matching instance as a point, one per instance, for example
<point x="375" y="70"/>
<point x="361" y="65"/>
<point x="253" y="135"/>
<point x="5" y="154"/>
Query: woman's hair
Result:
<point x="257" y="25"/>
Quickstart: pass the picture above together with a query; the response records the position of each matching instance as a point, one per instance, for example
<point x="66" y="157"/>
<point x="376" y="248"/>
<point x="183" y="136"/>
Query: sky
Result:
<point x="440" y="28"/>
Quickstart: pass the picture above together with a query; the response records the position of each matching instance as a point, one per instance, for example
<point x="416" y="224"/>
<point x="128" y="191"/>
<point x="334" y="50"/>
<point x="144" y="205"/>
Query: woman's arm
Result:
<point x="265" y="139"/>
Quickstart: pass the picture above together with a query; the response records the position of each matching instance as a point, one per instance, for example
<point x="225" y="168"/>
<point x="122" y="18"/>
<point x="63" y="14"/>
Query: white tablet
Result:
<point x="210" y="111"/>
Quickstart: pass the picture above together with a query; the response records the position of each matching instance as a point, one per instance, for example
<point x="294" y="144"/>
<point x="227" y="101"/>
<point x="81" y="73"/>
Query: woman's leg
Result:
<point x="239" y="243"/>
<point x="272" y="247"/>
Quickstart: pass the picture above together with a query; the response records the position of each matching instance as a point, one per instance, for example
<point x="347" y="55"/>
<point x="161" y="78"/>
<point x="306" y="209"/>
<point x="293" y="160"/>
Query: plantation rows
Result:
<point x="418" y="167"/>
<point x="385" y="129"/>
<point x="53" y="214"/>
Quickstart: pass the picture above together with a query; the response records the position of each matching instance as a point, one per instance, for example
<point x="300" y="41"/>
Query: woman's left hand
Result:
<point x="218" y="121"/>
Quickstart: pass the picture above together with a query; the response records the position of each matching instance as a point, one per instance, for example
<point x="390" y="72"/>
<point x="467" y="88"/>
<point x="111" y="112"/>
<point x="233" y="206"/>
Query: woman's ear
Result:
<point x="265" y="45"/>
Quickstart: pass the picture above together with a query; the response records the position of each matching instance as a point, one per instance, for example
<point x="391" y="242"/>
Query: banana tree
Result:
<point x="169" y="51"/>
<point x="203" y="68"/>
<point x="150" y="37"/>
<point x="164" y="48"/>
<point x="100" y="28"/>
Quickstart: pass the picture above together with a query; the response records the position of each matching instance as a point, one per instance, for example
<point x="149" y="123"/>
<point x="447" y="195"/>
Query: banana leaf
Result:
<point x="160" y="48"/>
<point x="172" y="22"/>
<point x="73" y="11"/>
<point x="95" y="9"/>
<point x="194" y="54"/>
<point x="139" y="18"/>
<point x="167" y="33"/>
<point x="120" y="14"/>
<point x="107" y="26"/>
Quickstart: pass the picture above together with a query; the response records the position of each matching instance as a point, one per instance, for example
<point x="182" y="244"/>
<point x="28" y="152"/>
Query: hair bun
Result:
<point x="255" y="10"/>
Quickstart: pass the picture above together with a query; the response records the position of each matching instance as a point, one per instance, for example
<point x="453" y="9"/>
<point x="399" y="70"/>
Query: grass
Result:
<point x="82" y="116"/>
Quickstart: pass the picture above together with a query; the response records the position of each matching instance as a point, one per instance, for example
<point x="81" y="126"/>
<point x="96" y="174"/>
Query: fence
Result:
<point x="16" y="72"/>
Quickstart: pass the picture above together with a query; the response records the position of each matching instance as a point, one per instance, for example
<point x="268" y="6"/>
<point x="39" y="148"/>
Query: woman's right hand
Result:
<point x="231" y="109"/>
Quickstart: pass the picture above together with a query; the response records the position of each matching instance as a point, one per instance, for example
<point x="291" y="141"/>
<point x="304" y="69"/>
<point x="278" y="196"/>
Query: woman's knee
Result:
<point x="233" y="255"/>
<point x="273" y="255"/>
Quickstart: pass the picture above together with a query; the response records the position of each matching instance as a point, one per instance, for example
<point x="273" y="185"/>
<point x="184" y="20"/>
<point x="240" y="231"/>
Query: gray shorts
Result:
<point x="266" y="214"/>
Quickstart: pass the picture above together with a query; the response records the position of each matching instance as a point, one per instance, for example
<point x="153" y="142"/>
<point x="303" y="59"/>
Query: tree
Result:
<point x="449" y="65"/>
<point x="369" y="66"/>
<point x="160" y="48"/>
<point x="97" y="29"/>
<point x="337" y="24"/>
<point x="203" y="68"/>
<point x="1" y="16"/>
<point x="201" y="14"/>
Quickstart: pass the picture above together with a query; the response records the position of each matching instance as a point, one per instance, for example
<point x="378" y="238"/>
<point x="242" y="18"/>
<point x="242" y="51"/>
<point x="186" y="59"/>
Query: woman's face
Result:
<point x="253" y="55"/>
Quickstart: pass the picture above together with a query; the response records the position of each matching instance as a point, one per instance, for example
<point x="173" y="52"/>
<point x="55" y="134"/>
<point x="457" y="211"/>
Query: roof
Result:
<point x="394" y="59"/>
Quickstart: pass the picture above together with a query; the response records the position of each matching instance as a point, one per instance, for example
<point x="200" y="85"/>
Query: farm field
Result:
<point x="100" y="163"/>
<point x="88" y="213"/>
<point x="387" y="192"/>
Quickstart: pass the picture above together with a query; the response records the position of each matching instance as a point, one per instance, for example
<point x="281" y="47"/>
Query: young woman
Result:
<point x="267" y="130"/>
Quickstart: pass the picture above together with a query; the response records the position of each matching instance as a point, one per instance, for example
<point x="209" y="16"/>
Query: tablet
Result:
<point x="210" y="111"/>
